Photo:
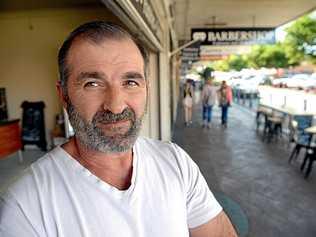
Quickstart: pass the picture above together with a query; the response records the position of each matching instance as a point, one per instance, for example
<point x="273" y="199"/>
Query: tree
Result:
<point x="255" y="59"/>
<point x="270" y="56"/>
<point x="300" y="41"/>
<point x="221" y="65"/>
<point x="207" y="73"/>
<point x="275" y="56"/>
<point x="237" y="62"/>
<point x="233" y="62"/>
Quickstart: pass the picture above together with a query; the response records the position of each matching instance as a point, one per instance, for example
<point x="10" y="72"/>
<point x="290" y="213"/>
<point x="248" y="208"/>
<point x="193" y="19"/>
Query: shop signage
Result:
<point x="191" y="53"/>
<point x="234" y="36"/>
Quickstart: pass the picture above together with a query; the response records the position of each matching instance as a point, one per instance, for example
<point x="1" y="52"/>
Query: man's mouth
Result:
<point x="115" y="125"/>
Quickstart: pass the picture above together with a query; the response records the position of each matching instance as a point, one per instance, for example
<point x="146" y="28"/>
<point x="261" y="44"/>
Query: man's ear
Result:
<point x="61" y="94"/>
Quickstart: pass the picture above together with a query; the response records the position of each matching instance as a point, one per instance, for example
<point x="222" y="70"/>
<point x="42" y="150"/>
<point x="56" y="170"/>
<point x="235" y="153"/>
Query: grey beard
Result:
<point x="94" y="138"/>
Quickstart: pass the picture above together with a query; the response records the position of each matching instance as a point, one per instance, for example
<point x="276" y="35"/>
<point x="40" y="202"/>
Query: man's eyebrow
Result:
<point x="85" y="75"/>
<point x="133" y="75"/>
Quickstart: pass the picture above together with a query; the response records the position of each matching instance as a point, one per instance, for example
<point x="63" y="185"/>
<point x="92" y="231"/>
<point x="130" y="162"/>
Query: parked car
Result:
<point x="249" y="84"/>
<point x="280" y="81"/>
<point x="302" y="81"/>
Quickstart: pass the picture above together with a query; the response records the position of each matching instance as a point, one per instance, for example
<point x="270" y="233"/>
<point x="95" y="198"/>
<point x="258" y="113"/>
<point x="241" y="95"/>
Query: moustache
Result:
<point x="109" y="117"/>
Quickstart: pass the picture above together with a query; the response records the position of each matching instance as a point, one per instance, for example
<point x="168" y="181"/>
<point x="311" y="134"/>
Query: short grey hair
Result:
<point x="97" y="32"/>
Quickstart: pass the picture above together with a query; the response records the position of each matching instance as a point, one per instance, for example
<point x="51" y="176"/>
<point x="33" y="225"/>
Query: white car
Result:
<point x="249" y="84"/>
<point x="300" y="81"/>
<point x="279" y="81"/>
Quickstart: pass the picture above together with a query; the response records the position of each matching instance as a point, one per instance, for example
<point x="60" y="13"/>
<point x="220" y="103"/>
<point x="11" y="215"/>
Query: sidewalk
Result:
<point x="235" y="161"/>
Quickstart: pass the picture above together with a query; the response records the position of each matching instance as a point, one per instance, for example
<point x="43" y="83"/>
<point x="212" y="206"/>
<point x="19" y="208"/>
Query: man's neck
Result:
<point x="114" y="168"/>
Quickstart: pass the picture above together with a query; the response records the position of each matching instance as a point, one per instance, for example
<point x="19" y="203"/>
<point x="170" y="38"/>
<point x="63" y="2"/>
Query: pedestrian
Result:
<point x="225" y="100"/>
<point x="187" y="102"/>
<point x="209" y="96"/>
<point x="106" y="180"/>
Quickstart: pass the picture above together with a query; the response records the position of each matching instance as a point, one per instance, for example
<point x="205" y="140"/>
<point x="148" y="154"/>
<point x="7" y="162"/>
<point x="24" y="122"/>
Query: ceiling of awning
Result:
<point x="17" y="5"/>
<point x="189" y="14"/>
<point x="235" y="13"/>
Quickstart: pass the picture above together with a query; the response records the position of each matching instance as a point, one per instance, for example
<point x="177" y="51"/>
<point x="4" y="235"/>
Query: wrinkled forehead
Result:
<point x="105" y="43"/>
<point x="108" y="50"/>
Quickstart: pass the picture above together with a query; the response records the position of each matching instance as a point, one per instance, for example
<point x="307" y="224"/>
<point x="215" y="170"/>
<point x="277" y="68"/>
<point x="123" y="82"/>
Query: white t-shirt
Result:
<point x="59" y="197"/>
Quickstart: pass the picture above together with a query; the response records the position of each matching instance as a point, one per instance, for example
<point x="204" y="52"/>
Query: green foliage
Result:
<point x="233" y="62"/>
<point x="207" y="73"/>
<point x="300" y="41"/>
<point x="268" y="56"/>
<point x="237" y="62"/>
<point x="275" y="57"/>
<point x="254" y="57"/>
<point x="221" y="65"/>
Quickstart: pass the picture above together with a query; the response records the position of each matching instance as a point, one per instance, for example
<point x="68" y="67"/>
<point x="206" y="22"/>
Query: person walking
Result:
<point x="187" y="103"/>
<point x="225" y="100"/>
<point x="208" y="100"/>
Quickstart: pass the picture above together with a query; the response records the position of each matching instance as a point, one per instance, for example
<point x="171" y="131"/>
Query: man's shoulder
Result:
<point x="48" y="160"/>
<point x="35" y="175"/>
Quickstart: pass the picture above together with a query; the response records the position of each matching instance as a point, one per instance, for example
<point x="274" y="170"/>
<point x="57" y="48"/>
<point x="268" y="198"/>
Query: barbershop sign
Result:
<point x="234" y="36"/>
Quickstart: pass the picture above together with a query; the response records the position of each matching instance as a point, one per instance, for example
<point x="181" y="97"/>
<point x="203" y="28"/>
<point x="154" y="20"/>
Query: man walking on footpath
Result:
<point x="106" y="180"/>
<point x="225" y="101"/>
<point x="209" y="95"/>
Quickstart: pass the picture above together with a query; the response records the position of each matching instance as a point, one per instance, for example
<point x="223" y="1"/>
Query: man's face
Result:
<point x="106" y="93"/>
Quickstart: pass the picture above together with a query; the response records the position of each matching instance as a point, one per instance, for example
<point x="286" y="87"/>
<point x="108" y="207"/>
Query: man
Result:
<point x="106" y="181"/>
<point x="209" y="94"/>
<point x="225" y="100"/>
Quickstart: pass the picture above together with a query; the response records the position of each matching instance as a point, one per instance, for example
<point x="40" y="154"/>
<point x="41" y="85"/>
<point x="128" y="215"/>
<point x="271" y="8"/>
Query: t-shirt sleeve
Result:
<point x="13" y="220"/>
<point x="200" y="201"/>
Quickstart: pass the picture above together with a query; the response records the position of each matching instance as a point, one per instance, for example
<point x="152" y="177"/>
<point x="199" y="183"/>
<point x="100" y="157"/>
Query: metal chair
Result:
<point x="261" y="117"/>
<point x="273" y="125"/>
<point x="300" y="137"/>
<point x="310" y="158"/>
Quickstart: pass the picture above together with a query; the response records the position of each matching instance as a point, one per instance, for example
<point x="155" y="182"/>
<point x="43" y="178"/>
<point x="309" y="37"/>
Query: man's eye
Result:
<point x="91" y="84"/>
<point x="131" y="83"/>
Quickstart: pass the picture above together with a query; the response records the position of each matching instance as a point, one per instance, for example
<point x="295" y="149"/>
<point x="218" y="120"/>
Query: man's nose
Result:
<point x="114" y="101"/>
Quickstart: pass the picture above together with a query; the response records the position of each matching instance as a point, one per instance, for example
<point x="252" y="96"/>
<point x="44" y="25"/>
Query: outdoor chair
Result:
<point x="261" y="117"/>
<point x="273" y="125"/>
<point x="292" y="131"/>
<point x="300" y="137"/>
<point x="309" y="158"/>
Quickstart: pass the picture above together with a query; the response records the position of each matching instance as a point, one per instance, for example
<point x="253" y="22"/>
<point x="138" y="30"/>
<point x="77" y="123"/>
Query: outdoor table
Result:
<point x="290" y="112"/>
<point x="287" y="110"/>
<point x="311" y="130"/>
